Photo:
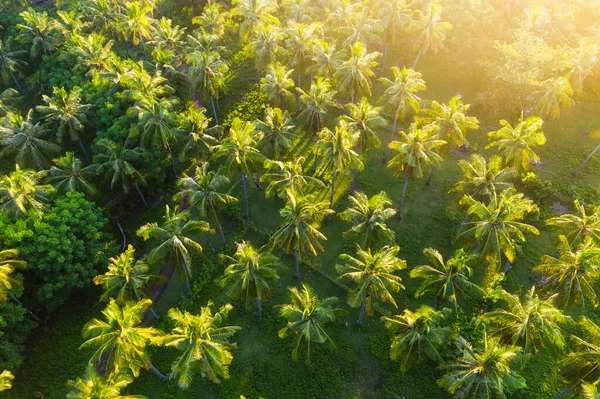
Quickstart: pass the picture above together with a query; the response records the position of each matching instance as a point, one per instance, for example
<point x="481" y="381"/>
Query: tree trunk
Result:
<point x="417" y="60"/>
<point x="586" y="160"/>
<point x="259" y="77"/>
<point x="507" y="266"/>
<point x="172" y="160"/>
<point x="563" y="393"/>
<point x="245" y="196"/>
<point x="385" y="50"/>
<point x="259" y="306"/>
<point x="140" y="193"/>
<point x="297" y="259"/>
<point x="222" y="234"/>
<point x="362" y="309"/>
<point x="29" y="312"/>
<point x="19" y="87"/>
<point x="187" y="279"/>
<point x="387" y="153"/>
<point x="436" y="303"/>
<point x="87" y="158"/>
<point x="143" y="46"/>
<point x="366" y="239"/>
<point x="212" y="101"/>
<point x="160" y="375"/>
<point x="430" y="175"/>
<point x="403" y="195"/>
<point x="217" y="102"/>
<point x="353" y="185"/>
<point x="335" y="168"/>
<point x="154" y="314"/>
<point x="123" y="234"/>
<point x="462" y="225"/>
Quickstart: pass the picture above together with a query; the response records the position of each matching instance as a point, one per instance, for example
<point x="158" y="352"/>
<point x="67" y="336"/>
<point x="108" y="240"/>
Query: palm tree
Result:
<point x="207" y="73"/>
<point x="299" y="233"/>
<point x="325" y="60"/>
<point x="276" y="84"/>
<point x="289" y="176"/>
<point x="10" y="62"/>
<point x="299" y="41"/>
<point x="6" y="378"/>
<point x="572" y="274"/>
<point x="556" y="93"/>
<point x="118" y="165"/>
<point x="249" y="273"/>
<point x="266" y="45"/>
<point x="204" y="192"/>
<point x="430" y="30"/>
<point x="417" y="151"/>
<point x="38" y="31"/>
<point x="239" y="150"/>
<point x="8" y="98"/>
<point x="212" y="19"/>
<point x="583" y="363"/>
<point x="307" y="316"/>
<point x="175" y="239"/>
<point x="121" y="340"/>
<point x="193" y="123"/>
<point x="484" y="371"/>
<point x="417" y="335"/>
<point x="498" y="225"/>
<point x="362" y="27"/>
<point x="204" y="344"/>
<point x="137" y="23"/>
<point x="317" y="103"/>
<point x="278" y="130"/>
<point x="396" y="17"/>
<point x="254" y="13"/>
<point x="375" y="274"/>
<point x="515" y="143"/>
<point x="8" y="264"/>
<point x="579" y="226"/>
<point x="531" y="322"/>
<point x="482" y="178"/>
<point x="68" y="174"/>
<point x="21" y="190"/>
<point x="65" y="111"/>
<point x="25" y="141"/>
<point x="582" y="65"/>
<point x="126" y="279"/>
<point x="446" y="279"/>
<point x="401" y="95"/>
<point x="354" y="75"/>
<point x="93" y="385"/>
<point x="336" y="148"/>
<point x="368" y="217"/>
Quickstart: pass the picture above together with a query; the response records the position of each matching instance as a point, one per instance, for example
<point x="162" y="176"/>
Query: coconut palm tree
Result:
<point x="8" y="98"/>
<point x="362" y="27"/>
<point x="337" y="150"/>
<point x="483" y="371"/>
<point x="276" y="84"/>
<point x="8" y="264"/>
<point x="354" y="75"/>
<point x="396" y="18"/>
<point x="241" y="154"/>
<point x="127" y="279"/>
<point x="572" y="274"/>
<point x="207" y="74"/>
<point x="117" y="163"/>
<point x="300" y="38"/>
<point x="375" y="276"/>
<point x="193" y="125"/>
<point x="582" y="65"/>
<point x="417" y="151"/>
<point x="299" y="233"/>
<point x="430" y="30"/>
<point x="556" y="93"/>
<point x="21" y="191"/>
<point x="289" y="176"/>
<point x="532" y="323"/>
<point x="583" y="363"/>
<point x="204" y="192"/>
<point x="417" y="335"/>
<point x="69" y="174"/>
<point x="137" y="23"/>
<point x="213" y="18"/>
<point x="577" y="227"/>
<point x="368" y="217"/>
<point x="121" y="340"/>
<point x="325" y="60"/>
<point x="307" y="316"/>
<point x="6" y="378"/>
<point x="277" y="129"/>
<point x="249" y="273"/>
<point x="499" y="224"/>
<point x="66" y="114"/>
<point x="401" y="95"/>
<point x="446" y="279"/>
<point x="254" y="13"/>
<point x="266" y="45"/>
<point x="175" y="239"/>
<point x="317" y="103"/>
<point x="204" y="343"/>
<point x="93" y="385"/>
<point x="11" y="63"/>
<point x="482" y="178"/>
<point x="24" y="140"/>
<point x="37" y="31"/>
<point x="515" y="142"/>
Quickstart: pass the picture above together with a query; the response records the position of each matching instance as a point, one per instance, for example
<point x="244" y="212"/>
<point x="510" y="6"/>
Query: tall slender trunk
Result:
<point x="297" y="260"/>
<point x="586" y="160"/>
<point x="563" y="393"/>
<point x="507" y="266"/>
<point x="220" y="227"/>
<point x="403" y="193"/>
<point x="217" y="102"/>
<point x="353" y="185"/>
<point x="187" y="279"/>
<point x="172" y="160"/>
<point x="87" y="158"/>
<point x="335" y="169"/>
<point x="362" y="308"/>
<point x="462" y="225"/>
<point x="140" y="193"/>
<point x="154" y="314"/>
<point x="387" y="153"/>
<point x="29" y="312"/>
<point x="417" y="60"/>
<point x="19" y="87"/>
<point x="297" y="91"/>
<point x="436" y="303"/>
<point x="430" y="174"/>
<point x="160" y="375"/>
<point x="259" y="306"/>
<point x="123" y="234"/>
<point x="245" y="196"/>
<point x="212" y="101"/>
